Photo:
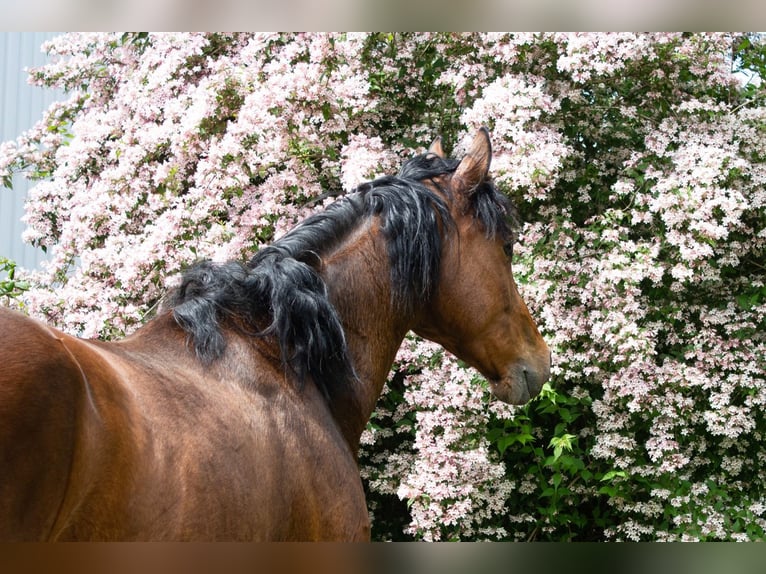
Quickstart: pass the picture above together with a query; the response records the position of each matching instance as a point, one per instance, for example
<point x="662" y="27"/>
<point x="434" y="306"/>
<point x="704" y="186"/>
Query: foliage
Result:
<point x="10" y="287"/>
<point x="637" y="161"/>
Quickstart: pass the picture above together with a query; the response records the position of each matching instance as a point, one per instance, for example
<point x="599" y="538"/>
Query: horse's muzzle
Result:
<point x="523" y="382"/>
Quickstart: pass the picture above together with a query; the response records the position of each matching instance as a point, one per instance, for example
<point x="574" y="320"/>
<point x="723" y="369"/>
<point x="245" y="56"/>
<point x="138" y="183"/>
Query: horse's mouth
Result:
<point x="519" y="387"/>
<point x="510" y="390"/>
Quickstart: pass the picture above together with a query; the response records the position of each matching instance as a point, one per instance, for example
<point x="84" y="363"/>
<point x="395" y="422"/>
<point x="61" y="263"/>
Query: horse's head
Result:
<point x="476" y="312"/>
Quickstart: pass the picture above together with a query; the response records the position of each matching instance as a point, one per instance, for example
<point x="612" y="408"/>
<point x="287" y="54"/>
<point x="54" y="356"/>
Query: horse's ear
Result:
<point x="436" y="147"/>
<point x="474" y="167"/>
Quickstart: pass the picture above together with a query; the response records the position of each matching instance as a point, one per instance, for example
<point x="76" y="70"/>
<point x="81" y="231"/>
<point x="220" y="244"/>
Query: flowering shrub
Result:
<point x="637" y="162"/>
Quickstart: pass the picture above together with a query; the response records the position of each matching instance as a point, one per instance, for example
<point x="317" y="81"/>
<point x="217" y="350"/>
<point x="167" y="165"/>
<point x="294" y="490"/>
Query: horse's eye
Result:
<point x="508" y="248"/>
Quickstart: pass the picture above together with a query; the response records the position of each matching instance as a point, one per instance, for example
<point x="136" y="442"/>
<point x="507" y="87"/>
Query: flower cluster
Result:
<point x="638" y="162"/>
<point x="180" y="146"/>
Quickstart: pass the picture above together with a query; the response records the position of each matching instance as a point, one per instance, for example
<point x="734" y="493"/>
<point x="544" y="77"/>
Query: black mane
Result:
<point x="281" y="287"/>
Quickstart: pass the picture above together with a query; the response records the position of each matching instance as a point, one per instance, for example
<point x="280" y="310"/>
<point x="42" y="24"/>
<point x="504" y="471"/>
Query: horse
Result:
<point x="235" y="413"/>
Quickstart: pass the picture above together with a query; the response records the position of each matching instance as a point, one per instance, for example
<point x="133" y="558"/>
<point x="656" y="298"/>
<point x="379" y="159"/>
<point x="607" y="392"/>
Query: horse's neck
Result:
<point x="358" y="280"/>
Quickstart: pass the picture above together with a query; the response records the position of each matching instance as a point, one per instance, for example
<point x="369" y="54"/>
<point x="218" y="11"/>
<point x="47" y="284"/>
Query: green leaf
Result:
<point x="560" y="444"/>
<point x="613" y="474"/>
<point x="610" y="491"/>
<point x="505" y="441"/>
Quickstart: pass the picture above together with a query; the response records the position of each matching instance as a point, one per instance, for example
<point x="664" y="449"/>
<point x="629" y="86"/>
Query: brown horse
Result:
<point x="236" y="413"/>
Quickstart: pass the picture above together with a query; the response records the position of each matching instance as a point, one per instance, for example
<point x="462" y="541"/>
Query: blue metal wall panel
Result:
<point x="21" y="106"/>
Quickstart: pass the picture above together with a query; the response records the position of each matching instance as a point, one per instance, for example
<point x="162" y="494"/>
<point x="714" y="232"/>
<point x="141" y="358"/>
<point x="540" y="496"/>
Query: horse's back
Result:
<point x="243" y="454"/>
<point x="38" y="396"/>
<point x="136" y="441"/>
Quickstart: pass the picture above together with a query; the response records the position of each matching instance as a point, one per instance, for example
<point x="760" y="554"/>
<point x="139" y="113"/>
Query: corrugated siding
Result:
<point x="21" y="106"/>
